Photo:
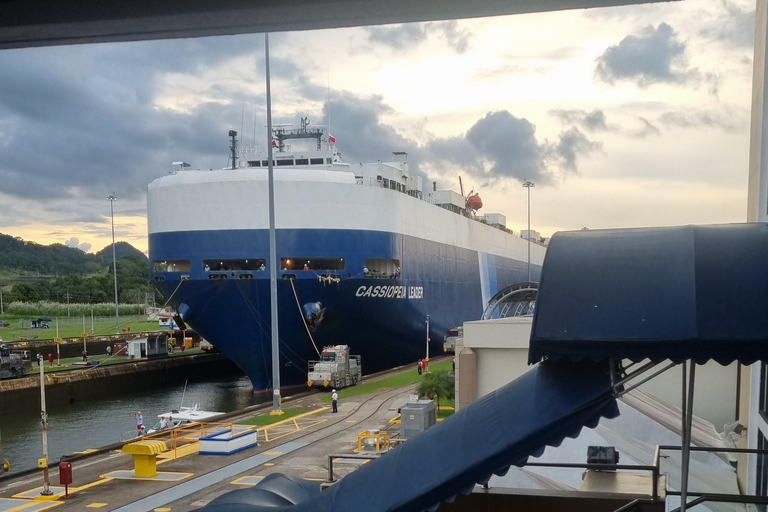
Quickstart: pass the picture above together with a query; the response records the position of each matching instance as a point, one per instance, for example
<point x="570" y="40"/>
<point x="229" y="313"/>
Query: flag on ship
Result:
<point x="331" y="139"/>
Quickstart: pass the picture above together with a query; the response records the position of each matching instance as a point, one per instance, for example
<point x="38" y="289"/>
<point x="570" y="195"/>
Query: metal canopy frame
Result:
<point x="625" y="381"/>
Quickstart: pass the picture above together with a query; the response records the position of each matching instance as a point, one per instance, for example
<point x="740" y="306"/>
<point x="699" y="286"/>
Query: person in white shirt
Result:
<point x="335" y="401"/>
<point x="163" y="423"/>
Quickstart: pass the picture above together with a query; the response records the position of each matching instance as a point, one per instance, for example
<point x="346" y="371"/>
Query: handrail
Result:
<point x="329" y="479"/>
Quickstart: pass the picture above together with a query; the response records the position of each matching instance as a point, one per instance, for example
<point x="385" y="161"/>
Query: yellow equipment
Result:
<point x="145" y="456"/>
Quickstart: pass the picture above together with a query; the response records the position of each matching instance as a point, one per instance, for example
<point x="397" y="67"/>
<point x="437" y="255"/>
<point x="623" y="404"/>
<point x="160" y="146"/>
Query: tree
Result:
<point x="436" y="385"/>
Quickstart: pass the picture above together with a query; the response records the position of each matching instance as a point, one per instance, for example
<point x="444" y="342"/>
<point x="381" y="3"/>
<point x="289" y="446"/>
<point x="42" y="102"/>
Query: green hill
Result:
<point x="63" y="274"/>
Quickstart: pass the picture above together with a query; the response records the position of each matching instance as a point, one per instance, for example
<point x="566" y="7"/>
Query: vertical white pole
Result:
<point x="44" y="421"/>
<point x="58" y="352"/>
<point x="273" y="263"/>
<point x="427" y="359"/>
<point x="112" y="200"/>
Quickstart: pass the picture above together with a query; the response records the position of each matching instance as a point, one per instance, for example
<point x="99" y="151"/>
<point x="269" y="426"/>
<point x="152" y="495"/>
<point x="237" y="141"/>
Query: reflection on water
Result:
<point x="79" y="426"/>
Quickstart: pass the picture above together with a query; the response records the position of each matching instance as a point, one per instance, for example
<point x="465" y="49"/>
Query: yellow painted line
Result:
<point x="162" y="509"/>
<point x="96" y="505"/>
<point x="273" y="453"/>
<point x="303" y="415"/>
<point x="348" y="421"/>
<point x="269" y="463"/>
<point x="88" y="486"/>
<point x="245" y="480"/>
<point x="89" y="450"/>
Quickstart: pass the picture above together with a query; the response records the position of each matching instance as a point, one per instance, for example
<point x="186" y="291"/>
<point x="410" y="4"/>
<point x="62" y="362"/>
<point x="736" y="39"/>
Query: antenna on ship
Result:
<point x="233" y="148"/>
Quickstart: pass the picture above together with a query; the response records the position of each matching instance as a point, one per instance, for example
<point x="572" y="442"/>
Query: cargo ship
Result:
<point x="365" y="255"/>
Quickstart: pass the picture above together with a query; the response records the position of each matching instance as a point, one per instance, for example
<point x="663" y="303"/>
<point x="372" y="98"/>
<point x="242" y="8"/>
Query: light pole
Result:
<point x="273" y="263"/>
<point x="112" y="198"/>
<point x="528" y="184"/>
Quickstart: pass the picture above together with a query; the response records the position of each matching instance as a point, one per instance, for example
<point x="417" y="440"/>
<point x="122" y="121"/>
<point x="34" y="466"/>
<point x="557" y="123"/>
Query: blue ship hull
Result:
<point x="383" y="320"/>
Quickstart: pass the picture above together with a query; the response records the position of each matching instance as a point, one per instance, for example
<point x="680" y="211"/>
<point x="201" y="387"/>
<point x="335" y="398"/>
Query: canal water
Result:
<point x="83" y="425"/>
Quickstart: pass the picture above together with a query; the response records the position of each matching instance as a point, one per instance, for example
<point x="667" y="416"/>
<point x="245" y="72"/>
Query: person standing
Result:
<point x="420" y="366"/>
<point x="163" y="423"/>
<point x="335" y="401"/>
<point x="139" y="420"/>
<point x="39" y="359"/>
<point x="85" y="355"/>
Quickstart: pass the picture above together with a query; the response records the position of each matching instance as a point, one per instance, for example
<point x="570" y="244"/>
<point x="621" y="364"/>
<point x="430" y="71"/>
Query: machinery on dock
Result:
<point x="449" y="342"/>
<point x="336" y="368"/>
<point x="13" y="364"/>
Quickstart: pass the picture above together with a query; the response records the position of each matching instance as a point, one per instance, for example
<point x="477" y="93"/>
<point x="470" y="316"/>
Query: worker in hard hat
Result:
<point x="335" y="401"/>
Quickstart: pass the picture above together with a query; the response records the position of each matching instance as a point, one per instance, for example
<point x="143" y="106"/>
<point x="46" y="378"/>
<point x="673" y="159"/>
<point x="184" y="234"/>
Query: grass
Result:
<point x="447" y="408"/>
<point x="100" y="328"/>
<point x="266" y="419"/>
<point x="394" y="381"/>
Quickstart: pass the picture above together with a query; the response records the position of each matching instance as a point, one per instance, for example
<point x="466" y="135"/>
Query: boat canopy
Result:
<point x="677" y="293"/>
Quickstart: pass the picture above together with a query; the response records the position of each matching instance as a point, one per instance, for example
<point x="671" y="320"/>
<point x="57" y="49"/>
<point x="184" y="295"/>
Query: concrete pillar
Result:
<point x="466" y="377"/>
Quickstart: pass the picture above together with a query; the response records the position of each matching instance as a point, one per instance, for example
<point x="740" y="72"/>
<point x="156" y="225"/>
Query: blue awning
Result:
<point x="692" y="292"/>
<point x="503" y="428"/>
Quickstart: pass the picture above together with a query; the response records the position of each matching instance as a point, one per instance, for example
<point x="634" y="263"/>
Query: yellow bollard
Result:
<point x="145" y="456"/>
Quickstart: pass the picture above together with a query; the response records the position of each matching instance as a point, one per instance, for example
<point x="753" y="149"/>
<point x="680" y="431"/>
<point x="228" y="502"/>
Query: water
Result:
<point x="82" y="425"/>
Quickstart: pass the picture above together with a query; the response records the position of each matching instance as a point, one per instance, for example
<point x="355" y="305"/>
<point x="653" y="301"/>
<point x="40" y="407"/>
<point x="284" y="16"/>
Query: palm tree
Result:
<point x="436" y="385"/>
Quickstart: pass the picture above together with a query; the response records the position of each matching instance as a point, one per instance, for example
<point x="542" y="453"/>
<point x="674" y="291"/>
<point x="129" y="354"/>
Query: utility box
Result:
<point x="416" y="417"/>
<point x="65" y="473"/>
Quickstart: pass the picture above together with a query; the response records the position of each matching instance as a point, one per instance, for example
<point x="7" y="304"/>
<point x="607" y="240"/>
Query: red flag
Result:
<point x="274" y="143"/>
<point x="331" y="139"/>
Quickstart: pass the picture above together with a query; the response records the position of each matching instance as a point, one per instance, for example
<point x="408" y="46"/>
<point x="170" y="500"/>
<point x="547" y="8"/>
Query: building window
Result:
<point x="302" y="161"/>
<point x="285" y="162"/>
<point x="302" y="263"/>
<point x="171" y="266"/>
<point x="377" y="268"/>
<point x="316" y="161"/>
<point x="220" y="265"/>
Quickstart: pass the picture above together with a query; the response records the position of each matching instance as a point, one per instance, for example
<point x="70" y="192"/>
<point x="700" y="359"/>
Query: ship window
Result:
<point x="284" y="162"/>
<point x="328" y="161"/>
<point x="316" y="161"/>
<point x="393" y="185"/>
<point x="386" y="183"/>
<point x="265" y="163"/>
<point x="302" y="161"/>
<point x="171" y="266"/>
<point x="214" y="277"/>
<point x="302" y="263"/>
<point x="254" y="163"/>
<point x="378" y="268"/>
<point x="239" y="264"/>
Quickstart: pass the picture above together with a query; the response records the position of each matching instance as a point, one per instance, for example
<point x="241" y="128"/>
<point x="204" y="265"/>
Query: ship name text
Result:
<point x="391" y="292"/>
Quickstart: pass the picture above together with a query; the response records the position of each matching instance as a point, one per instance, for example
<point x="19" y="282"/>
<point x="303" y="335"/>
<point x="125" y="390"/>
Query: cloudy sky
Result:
<point x="627" y="116"/>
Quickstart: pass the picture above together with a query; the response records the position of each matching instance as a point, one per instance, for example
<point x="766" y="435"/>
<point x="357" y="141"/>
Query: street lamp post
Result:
<point x="273" y="263"/>
<point x="112" y="198"/>
<point x="528" y="184"/>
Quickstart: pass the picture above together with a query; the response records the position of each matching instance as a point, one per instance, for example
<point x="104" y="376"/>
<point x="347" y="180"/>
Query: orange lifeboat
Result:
<point x="474" y="202"/>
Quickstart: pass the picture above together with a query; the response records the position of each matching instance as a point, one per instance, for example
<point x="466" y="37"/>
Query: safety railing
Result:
<point x="331" y="456"/>
<point x="709" y="497"/>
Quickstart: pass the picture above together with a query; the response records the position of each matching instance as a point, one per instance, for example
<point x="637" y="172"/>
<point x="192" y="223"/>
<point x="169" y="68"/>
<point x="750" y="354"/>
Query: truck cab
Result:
<point x="12" y="364"/>
<point x="337" y="368"/>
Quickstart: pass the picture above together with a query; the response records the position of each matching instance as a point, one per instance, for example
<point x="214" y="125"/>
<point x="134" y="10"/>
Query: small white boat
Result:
<point x="181" y="417"/>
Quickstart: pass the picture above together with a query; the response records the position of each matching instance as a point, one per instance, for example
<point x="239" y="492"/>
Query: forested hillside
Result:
<point x="34" y="272"/>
